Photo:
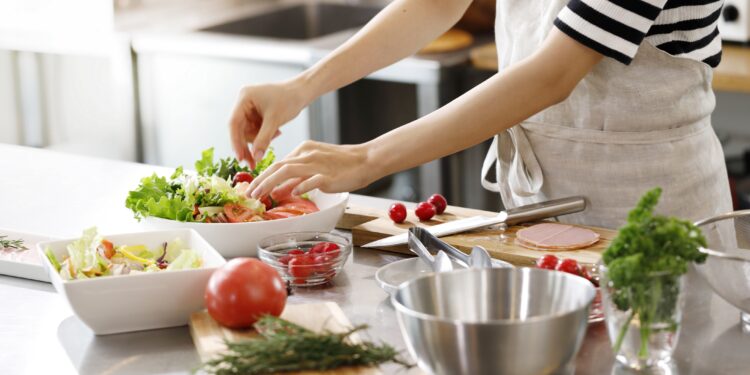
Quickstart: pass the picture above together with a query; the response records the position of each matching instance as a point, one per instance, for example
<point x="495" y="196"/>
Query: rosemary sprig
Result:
<point x="284" y="346"/>
<point x="11" y="244"/>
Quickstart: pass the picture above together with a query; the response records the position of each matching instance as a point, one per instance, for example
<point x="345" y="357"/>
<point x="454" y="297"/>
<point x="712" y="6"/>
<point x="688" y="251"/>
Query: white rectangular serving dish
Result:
<point x="23" y="263"/>
<point x="115" y="304"/>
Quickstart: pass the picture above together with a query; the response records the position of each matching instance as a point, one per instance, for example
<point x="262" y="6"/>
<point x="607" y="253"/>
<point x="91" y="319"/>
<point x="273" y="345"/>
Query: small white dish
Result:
<point x="241" y="239"/>
<point x="390" y="276"/>
<point x="125" y="303"/>
<point x="27" y="263"/>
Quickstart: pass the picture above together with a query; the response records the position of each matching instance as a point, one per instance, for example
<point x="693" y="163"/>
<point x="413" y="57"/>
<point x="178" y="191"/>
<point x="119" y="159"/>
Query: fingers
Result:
<point x="284" y="191"/>
<point x="236" y="131"/>
<point x="268" y="129"/>
<point x="312" y="183"/>
<point x="283" y="173"/>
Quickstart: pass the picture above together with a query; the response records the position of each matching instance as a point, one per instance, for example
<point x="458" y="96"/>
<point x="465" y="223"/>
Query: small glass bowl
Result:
<point x="304" y="269"/>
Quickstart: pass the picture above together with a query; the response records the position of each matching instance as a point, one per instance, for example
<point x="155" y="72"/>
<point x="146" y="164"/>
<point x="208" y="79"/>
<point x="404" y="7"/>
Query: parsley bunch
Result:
<point x="644" y="264"/>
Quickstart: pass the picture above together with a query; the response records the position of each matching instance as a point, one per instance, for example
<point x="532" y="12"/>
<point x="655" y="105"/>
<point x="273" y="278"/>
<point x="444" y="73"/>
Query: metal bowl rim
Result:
<point x="400" y="308"/>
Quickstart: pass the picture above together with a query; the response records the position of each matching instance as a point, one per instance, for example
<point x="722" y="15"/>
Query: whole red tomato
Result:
<point x="569" y="266"/>
<point x="242" y="177"/>
<point x="425" y="211"/>
<point x="243" y="290"/>
<point x="439" y="202"/>
<point x="397" y="213"/>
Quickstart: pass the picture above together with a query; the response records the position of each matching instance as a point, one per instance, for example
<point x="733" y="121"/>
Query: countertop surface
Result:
<point x="58" y="195"/>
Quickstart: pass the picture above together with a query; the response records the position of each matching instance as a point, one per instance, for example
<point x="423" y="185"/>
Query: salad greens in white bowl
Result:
<point x="213" y="201"/>
<point x="131" y="282"/>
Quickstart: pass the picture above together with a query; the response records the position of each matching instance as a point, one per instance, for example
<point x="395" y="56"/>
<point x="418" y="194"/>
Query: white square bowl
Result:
<point x="125" y="303"/>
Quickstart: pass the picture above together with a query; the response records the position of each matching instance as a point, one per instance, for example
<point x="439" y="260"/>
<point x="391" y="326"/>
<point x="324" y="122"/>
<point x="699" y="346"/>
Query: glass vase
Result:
<point x="643" y="323"/>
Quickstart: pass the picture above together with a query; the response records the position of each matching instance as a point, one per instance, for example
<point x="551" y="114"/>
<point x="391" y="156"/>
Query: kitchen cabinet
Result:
<point x="186" y="103"/>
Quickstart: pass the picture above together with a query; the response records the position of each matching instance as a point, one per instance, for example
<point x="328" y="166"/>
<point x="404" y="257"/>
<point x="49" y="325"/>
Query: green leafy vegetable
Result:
<point x="155" y="196"/>
<point x="52" y="258"/>
<point x="226" y="168"/>
<point x="644" y="264"/>
<point x="284" y="346"/>
<point x="264" y="163"/>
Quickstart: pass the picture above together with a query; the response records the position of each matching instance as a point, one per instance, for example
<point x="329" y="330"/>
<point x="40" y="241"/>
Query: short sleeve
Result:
<point x="614" y="28"/>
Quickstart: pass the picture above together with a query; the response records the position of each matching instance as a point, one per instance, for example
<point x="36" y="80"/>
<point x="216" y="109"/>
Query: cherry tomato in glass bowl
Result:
<point x="397" y="213"/>
<point x="243" y="290"/>
<point x="242" y="177"/>
<point x="425" y="211"/>
<point x="439" y="202"/>
<point x="322" y="258"/>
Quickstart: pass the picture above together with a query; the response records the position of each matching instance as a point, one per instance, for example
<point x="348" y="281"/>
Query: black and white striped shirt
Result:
<point x="616" y="28"/>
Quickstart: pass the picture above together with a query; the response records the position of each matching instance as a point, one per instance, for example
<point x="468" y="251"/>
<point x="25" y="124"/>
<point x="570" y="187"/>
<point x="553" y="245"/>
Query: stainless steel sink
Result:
<point x="300" y="22"/>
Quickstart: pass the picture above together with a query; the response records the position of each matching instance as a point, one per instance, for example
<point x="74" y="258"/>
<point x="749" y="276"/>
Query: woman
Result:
<point x="600" y="98"/>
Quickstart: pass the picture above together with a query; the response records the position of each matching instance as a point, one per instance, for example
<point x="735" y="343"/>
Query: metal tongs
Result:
<point x="424" y="244"/>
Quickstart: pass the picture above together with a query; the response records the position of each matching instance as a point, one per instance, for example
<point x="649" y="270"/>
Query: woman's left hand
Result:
<point x="314" y="165"/>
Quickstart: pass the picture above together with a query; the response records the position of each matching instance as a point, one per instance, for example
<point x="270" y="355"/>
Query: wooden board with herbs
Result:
<point x="209" y="336"/>
<point x="367" y="225"/>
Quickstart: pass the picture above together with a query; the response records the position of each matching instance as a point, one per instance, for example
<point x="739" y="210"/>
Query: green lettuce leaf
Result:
<point x="188" y="259"/>
<point x="264" y="163"/>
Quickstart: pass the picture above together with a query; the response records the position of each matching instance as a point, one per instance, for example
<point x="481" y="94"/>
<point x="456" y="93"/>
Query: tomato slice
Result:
<point x="237" y="213"/>
<point x="109" y="249"/>
<point x="299" y="203"/>
<point x="277" y="215"/>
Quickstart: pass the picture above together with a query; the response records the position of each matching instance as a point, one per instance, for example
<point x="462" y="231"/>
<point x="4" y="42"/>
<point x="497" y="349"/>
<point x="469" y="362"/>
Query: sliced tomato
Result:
<point x="300" y="204"/>
<point x="277" y="215"/>
<point x="290" y="210"/>
<point x="109" y="249"/>
<point x="267" y="201"/>
<point x="237" y="213"/>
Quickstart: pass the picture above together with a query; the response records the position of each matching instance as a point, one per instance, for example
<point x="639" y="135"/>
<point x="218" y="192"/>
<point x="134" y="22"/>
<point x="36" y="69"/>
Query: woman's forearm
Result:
<point x="502" y="101"/>
<point x="398" y="31"/>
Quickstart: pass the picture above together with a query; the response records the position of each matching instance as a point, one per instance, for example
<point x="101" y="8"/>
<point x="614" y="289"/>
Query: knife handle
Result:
<point x="545" y="210"/>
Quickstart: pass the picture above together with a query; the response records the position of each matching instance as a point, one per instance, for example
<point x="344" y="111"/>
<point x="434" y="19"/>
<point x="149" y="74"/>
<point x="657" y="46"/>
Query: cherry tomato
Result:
<point x="425" y="211"/>
<point x="267" y="201"/>
<point x="325" y="247"/>
<point x="109" y="249"/>
<point x="547" y="262"/>
<point x="397" y="213"/>
<point x="243" y="290"/>
<point x="289" y="255"/>
<point x="242" y="177"/>
<point x="439" y="202"/>
<point x="237" y="213"/>
<point x="322" y="263"/>
<point x="569" y="266"/>
<point x="301" y="266"/>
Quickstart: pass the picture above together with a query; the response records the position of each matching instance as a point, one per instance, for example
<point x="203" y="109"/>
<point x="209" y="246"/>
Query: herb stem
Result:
<point x="623" y="332"/>
<point x="11" y="244"/>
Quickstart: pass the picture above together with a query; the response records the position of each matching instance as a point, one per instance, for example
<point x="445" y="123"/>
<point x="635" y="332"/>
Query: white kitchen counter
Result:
<point x="58" y="195"/>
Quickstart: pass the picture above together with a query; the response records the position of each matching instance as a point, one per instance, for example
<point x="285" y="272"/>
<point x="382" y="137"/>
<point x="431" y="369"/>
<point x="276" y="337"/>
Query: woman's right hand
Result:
<point x="259" y="113"/>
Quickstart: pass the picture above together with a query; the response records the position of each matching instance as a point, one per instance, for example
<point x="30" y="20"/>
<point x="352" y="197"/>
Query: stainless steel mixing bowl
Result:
<point x="494" y="321"/>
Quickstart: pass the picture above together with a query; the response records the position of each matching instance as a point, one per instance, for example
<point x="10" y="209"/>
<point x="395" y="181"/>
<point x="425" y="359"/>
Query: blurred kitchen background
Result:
<point x="154" y="81"/>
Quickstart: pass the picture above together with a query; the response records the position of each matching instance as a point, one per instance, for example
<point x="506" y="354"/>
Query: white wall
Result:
<point x="8" y="115"/>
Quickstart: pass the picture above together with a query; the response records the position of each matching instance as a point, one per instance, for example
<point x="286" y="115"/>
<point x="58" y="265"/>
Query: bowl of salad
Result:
<point x="213" y="200"/>
<point x="131" y="282"/>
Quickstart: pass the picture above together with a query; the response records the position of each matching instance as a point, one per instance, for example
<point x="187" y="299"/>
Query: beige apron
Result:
<point x="622" y="131"/>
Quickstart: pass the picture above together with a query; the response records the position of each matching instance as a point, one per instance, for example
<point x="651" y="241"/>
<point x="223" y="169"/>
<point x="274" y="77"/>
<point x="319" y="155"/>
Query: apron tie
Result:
<point x="516" y="164"/>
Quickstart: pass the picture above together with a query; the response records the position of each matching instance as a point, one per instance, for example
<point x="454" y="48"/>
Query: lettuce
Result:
<point x="155" y="196"/>
<point x="225" y="169"/>
<point x="187" y="259"/>
<point x="82" y="252"/>
<point x="264" y="163"/>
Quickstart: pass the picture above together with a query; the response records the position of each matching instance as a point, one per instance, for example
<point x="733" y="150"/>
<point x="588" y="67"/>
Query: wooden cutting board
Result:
<point x="368" y="225"/>
<point x="209" y="336"/>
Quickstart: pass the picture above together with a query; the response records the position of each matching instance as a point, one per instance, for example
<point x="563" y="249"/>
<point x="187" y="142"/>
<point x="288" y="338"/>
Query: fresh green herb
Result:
<point x="283" y="346"/>
<point x="264" y="163"/>
<point x="6" y="243"/>
<point x="228" y="167"/>
<point x="644" y="264"/>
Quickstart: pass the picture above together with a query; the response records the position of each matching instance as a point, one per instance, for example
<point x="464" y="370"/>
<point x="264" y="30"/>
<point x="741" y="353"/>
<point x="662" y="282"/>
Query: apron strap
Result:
<point x="516" y="164"/>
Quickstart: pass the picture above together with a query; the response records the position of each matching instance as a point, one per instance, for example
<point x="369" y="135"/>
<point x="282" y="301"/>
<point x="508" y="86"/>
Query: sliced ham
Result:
<point x="556" y="237"/>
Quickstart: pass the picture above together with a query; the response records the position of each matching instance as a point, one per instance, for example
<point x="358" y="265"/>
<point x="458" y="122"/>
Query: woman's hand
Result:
<point x="259" y="113"/>
<point x="315" y="165"/>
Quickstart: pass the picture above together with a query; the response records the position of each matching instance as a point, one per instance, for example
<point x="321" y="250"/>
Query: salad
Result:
<point x="94" y="256"/>
<point x="215" y="193"/>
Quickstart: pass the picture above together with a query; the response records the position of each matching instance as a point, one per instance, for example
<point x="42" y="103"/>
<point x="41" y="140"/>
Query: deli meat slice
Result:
<point x="556" y="237"/>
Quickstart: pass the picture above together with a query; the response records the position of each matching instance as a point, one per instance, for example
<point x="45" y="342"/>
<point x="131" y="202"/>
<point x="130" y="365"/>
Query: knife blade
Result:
<point x="536" y="211"/>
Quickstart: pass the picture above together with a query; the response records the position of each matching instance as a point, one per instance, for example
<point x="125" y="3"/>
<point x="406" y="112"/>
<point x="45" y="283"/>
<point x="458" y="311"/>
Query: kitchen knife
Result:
<point x="522" y="214"/>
